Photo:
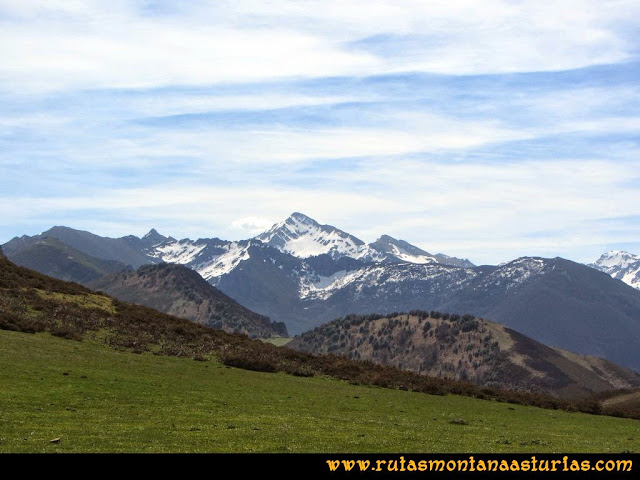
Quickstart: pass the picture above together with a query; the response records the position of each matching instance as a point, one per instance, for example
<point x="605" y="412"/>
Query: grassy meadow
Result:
<point x="97" y="399"/>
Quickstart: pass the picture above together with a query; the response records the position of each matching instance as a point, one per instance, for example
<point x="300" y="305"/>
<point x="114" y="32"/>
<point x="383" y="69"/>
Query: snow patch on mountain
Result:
<point x="515" y="273"/>
<point x="182" y="252"/>
<point x="407" y="257"/>
<point x="399" y="250"/>
<point x="302" y="237"/>
<point x="321" y="287"/>
<point x="236" y="252"/>
<point x="383" y="277"/>
<point x="617" y="258"/>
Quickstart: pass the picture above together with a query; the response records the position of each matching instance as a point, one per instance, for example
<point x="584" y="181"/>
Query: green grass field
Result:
<point x="278" y="341"/>
<point x="96" y="399"/>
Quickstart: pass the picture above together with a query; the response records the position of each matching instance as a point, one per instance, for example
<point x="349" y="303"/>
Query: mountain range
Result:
<point x="31" y="302"/>
<point x="303" y="237"/>
<point x="304" y="274"/>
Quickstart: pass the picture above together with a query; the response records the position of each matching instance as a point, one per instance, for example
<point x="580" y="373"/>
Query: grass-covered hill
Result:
<point x="180" y="291"/>
<point x="31" y="302"/>
<point x="466" y="348"/>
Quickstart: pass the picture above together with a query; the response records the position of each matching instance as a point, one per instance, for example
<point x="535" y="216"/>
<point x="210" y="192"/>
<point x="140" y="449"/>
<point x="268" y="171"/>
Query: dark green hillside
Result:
<point x="50" y="256"/>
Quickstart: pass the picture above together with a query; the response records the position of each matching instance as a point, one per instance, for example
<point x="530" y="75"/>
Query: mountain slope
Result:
<point x="466" y="348"/>
<point x="559" y="303"/>
<point x="179" y="291"/>
<point x="50" y="256"/>
<point x="621" y="265"/>
<point x="303" y="237"/>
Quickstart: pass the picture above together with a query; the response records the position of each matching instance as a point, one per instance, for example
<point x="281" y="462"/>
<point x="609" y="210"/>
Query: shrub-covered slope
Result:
<point x="180" y="291"/>
<point x="466" y="348"/>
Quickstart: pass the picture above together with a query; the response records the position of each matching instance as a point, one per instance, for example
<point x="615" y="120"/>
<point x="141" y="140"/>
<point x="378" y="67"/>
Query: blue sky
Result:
<point x="487" y="130"/>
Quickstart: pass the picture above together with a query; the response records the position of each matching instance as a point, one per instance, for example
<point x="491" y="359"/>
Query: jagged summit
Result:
<point x="153" y="238"/>
<point x="303" y="237"/>
<point x="302" y="217"/>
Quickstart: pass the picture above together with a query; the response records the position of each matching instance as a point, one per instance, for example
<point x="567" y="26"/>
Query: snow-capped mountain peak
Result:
<point x="622" y="265"/>
<point x="617" y="258"/>
<point x="303" y="237"/>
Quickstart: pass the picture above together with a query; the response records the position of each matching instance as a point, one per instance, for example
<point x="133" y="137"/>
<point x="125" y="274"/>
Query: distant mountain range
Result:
<point x="303" y="237"/>
<point x="304" y="274"/>
<point x="129" y="250"/>
<point x="55" y="258"/>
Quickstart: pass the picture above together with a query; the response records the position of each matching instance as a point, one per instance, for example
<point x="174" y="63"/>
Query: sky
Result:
<point x="486" y="130"/>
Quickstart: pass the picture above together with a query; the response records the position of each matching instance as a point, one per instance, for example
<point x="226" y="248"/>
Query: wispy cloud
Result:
<point x="490" y="132"/>
<point x="58" y="45"/>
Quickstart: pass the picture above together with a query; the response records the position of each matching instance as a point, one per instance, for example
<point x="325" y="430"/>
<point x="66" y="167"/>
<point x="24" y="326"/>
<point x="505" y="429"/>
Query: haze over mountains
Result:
<point x="304" y="274"/>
